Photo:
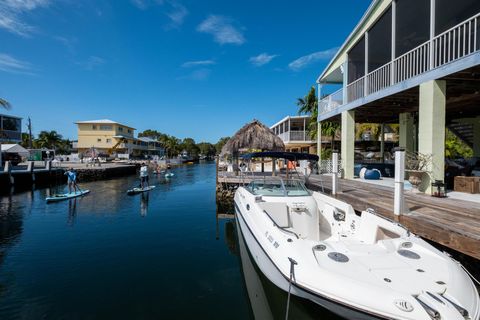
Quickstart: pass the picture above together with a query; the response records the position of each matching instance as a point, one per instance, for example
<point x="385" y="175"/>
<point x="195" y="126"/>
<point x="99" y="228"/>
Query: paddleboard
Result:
<point x="140" y="190"/>
<point x="169" y="175"/>
<point x="65" y="196"/>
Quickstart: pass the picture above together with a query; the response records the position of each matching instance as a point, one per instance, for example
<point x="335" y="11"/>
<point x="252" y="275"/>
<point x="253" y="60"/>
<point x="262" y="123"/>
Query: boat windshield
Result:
<point x="278" y="188"/>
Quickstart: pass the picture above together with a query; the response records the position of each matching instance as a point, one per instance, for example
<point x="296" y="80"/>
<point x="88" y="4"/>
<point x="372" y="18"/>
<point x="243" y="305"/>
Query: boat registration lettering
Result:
<point x="270" y="238"/>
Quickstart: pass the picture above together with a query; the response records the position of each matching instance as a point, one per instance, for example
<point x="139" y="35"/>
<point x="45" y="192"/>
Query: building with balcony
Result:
<point x="415" y="63"/>
<point x="293" y="131"/>
<point x="110" y="137"/>
<point x="10" y="129"/>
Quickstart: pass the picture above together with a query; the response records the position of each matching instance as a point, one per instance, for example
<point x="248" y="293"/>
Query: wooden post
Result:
<point x="399" y="201"/>
<point x="334" y="172"/>
<point x="216" y="173"/>
<point x="274" y="167"/>
<point x="30" y="168"/>
<point x="8" y="169"/>
<point x="263" y="165"/>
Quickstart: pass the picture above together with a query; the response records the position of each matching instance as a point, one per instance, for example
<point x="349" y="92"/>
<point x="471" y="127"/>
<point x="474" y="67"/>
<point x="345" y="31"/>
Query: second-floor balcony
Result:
<point x="450" y="51"/>
<point x="295" y="136"/>
<point x="10" y="136"/>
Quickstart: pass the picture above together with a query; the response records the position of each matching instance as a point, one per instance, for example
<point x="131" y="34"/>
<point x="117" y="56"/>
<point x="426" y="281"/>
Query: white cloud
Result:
<point x="140" y="4"/>
<point x="174" y="10"/>
<point x="92" y="62"/>
<point x="262" y="59"/>
<point x="197" y="63"/>
<point x="304" y="61"/>
<point x="197" y="75"/>
<point x="11" y="12"/>
<point x="13" y="65"/>
<point x="177" y="14"/>
<point x="222" y="30"/>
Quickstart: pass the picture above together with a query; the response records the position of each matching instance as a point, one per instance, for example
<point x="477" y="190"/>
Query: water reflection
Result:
<point x="144" y="204"/>
<point x="72" y="211"/>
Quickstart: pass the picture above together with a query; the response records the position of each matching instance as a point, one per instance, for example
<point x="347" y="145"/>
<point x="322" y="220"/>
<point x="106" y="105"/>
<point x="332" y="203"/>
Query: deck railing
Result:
<point x="295" y="135"/>
<point x="331" y="101"/>
<point x="450" y="45"/>
<point x="10" y="135"/>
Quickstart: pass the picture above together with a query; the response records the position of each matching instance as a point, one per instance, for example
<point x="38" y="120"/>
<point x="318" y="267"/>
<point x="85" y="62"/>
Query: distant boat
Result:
<point x="360" y="267"/>
<point x="66" y="196"/>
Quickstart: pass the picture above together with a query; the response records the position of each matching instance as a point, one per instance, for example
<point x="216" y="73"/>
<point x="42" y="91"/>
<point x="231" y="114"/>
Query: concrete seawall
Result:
<point x="24" y="179"/>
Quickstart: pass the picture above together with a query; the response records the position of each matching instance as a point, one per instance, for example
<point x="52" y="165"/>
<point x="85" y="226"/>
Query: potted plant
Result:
<point x="417" y="165"/>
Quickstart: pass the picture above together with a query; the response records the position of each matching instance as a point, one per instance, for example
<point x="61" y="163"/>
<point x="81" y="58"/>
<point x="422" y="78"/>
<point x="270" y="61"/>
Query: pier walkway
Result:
<point x="450" y="222"/>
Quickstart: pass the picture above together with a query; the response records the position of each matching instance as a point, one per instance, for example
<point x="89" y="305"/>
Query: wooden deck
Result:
<point x="450" y="222"/>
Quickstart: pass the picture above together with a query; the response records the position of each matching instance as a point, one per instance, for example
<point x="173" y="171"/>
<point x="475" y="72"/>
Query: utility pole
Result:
<point x="29" y="133"/>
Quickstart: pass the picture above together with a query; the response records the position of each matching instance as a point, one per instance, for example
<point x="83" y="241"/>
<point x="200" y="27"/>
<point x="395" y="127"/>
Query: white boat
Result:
<point x="359" y="267"/>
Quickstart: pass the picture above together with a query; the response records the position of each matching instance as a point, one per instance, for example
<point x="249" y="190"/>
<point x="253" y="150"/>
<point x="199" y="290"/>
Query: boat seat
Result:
<point x="373" y="229"/>
<point x="278" y="213"/>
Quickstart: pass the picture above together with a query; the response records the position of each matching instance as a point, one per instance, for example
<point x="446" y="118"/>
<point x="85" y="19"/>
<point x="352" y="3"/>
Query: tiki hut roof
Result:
<point x="253" y="135"/>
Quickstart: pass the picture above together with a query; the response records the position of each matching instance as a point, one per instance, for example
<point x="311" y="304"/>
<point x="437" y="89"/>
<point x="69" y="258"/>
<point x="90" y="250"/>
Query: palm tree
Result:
<point x="309" y="105"/>
<point x="49" y="139"/>
<point x="5" y="105"/>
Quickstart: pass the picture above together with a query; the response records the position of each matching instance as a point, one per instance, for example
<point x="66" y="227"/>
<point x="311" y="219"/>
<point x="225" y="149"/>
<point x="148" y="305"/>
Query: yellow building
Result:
<point x="109" y="137"/>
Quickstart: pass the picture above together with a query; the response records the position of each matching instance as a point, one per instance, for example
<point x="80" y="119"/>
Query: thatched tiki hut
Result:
<point x="254" y="135"/>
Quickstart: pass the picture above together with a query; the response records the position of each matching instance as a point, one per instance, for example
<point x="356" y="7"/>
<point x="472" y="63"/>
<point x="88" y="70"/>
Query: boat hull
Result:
<point x="272" y="273"/>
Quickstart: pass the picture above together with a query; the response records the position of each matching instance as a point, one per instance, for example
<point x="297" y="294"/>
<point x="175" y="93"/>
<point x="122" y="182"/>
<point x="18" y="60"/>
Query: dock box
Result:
<point x="467" y="184"/>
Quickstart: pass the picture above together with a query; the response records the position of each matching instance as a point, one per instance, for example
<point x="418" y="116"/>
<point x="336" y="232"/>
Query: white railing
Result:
<point x="451" y="45"/>
<point x="412" y="63"/>
<point x="356" y="89"/>
<point x="331" y="101"/>
<point x="297" y="136"/>
<point x="379" y="79"/>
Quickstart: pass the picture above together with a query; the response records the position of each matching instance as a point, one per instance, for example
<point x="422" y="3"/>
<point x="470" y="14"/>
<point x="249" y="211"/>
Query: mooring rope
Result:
<point x="471" y="276"/>
<point x="292" y="276"/>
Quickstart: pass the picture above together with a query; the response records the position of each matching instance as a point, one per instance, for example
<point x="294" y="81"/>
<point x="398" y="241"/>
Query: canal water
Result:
<point x="162" y="255"/>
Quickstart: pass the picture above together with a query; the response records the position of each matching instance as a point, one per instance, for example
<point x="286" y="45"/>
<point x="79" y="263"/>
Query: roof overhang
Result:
<point x="371" y="8"/>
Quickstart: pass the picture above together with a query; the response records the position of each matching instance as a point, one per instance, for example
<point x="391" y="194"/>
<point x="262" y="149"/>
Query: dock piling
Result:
<point x="334" y="172"/>
<point x="399" y="198"/>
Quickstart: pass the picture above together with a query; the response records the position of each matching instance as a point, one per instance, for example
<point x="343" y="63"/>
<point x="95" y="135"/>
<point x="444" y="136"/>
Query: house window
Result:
<point x="379" y="38"/>
<point x="94" y="127"/>
<point x="129" y="131"/>
<point x="449" y="13"/>
<point x="412" y="25"/>
<point x="356" y="61"/>
<point x="120" y="129"/>
<point x="11" y="124"/>
<point x="109" y="140"/>
<point x="105" y="128"/>
<point x="99" y="140"/>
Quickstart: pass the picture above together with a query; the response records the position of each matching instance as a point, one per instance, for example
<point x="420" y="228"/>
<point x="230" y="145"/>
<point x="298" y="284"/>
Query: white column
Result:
<point x="334" y="173"/>
<point x="348" y="143"/>
<point x="394" y="37"/>
<point x="431" y="129"/>
<point x="365" y="80"/>
<point x="399" y="200"/>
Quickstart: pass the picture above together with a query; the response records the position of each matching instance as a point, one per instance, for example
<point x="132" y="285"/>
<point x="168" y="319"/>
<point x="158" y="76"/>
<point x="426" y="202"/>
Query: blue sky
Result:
<point x="188" y="68"/>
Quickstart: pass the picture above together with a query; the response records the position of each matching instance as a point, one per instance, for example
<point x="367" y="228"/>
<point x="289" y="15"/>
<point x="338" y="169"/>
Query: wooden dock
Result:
<point x="450" y="222"/>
